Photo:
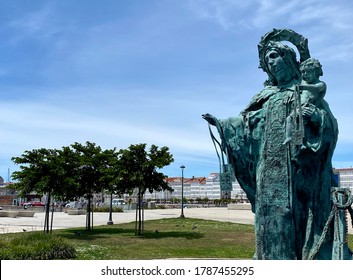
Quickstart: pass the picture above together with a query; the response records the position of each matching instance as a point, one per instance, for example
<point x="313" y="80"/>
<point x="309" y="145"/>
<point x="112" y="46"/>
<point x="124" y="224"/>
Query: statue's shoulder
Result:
<point x="259" y="99"/>
<point x="266" y="92"/>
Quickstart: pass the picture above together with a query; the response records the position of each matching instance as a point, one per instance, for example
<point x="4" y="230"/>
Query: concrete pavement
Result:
<point x="63" y="220"/>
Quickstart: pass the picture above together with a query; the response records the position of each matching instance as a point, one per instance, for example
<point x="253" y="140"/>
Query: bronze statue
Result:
<point x="287" y="182"/>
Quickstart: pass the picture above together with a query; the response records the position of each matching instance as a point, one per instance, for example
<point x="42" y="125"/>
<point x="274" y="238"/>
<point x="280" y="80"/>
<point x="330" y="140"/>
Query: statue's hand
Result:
<point x="309" y="112"/>
<point x="301" y="87"/>
<point x="305" y="87"/>
<point x="209" y="118"/>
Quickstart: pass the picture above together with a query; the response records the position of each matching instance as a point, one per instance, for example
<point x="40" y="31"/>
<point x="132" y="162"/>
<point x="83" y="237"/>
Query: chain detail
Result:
<point x="312" y="256"/>
<point x="336" y="208"/>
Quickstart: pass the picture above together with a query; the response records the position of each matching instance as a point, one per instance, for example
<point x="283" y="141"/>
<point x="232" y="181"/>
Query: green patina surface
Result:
<point x="280" y="147"/>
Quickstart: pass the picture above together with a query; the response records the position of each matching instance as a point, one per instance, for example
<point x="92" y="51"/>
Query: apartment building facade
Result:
<point x="197" y="187"/>
<point x="345" y="177"/>
<point x="209" y="187"/>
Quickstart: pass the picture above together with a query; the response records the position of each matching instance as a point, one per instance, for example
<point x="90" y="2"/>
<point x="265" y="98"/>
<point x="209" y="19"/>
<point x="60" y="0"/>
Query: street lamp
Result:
<point x="182" y="191"/>
<point x="110" y="222"/>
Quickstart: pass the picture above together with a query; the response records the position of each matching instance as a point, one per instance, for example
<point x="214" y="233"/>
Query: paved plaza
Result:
<point x="63" y="220"/>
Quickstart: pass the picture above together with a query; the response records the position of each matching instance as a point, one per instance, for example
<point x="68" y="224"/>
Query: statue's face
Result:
<point x="309" y="74"/>
<point x="277" y="66"/>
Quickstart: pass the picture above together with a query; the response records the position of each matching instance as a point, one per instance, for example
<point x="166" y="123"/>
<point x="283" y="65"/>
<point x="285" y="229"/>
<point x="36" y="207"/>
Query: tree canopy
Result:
<point x="81" y="170"/>
<point x="139" y="170"/>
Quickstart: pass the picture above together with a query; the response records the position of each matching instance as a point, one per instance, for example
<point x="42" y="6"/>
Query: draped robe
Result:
<point x="288" y="185"/>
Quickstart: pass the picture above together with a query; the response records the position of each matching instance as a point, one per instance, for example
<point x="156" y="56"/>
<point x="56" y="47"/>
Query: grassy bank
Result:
<point x="166" y="238"/>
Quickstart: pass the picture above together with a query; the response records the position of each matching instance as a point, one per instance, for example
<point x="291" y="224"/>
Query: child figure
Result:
<point x="311" y="90"/>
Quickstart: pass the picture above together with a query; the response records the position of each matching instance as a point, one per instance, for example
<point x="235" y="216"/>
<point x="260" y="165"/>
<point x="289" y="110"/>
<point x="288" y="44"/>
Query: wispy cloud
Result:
<point x="38" y="24"/>
<point x="321" y="21"/>
<point x="124" y="73"/>
<point x="222" y="12"/>
<point x="56" y="123"/>
<point x="266" y="14"/>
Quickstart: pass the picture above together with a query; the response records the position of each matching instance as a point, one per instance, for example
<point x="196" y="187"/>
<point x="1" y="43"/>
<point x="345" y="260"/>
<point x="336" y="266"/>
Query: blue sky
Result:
<point x="121" y="72"/>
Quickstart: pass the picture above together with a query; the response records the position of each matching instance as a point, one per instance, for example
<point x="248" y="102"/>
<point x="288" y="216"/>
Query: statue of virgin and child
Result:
<point x="280" y="148"/>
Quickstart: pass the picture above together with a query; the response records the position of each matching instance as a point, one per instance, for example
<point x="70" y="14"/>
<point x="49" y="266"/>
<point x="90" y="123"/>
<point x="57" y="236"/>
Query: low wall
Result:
<point x="8" y="214"/>
<point x="239" y="206"/>
<point x="76" y="212"/>
<point x="36" y="209"/>
<point x="25" y="213"/>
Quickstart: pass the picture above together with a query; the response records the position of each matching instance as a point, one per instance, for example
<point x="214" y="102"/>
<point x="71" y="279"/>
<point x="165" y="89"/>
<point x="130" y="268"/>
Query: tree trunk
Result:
<point x="139" y="215"/>
<point x="52" y="217"/>
<point x="88" y="214"/>
<point x="47" y="210"/>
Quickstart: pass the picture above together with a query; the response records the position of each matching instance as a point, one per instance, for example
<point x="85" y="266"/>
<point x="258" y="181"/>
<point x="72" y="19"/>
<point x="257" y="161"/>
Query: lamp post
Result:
<point x="110" y="222"/>
<point x="182" y="191"/>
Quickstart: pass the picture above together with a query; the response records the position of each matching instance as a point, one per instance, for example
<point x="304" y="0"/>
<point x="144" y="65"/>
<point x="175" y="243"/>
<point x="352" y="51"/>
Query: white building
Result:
<point x="345" y="176"/>
<point x="209" y="187"/>
<point x="196" y="187"/>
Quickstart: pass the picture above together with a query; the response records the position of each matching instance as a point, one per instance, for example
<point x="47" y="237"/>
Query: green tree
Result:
<point x="140" y="170"/>
<point x="82" y="170"/>
<point x="89" y="173"/>
<point x="69" y="163"/>
<point x="110" y="169"/>
<point x="72" y="172"/>
<point x="41" y="172"/>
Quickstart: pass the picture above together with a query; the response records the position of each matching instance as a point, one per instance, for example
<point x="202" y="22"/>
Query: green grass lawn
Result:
<point x="165" y="238"/>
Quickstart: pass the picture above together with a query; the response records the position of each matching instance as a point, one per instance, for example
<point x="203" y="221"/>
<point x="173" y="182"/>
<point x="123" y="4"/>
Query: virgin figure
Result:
<point x="288" y="184"/>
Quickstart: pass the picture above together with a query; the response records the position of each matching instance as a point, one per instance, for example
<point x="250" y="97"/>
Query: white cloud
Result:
<point x="223" y="12"/>
<point x="266" y="14"/>
<point x="148" y="76"/>
<point x="37" y="24"/>
<point x="30" y="125"/>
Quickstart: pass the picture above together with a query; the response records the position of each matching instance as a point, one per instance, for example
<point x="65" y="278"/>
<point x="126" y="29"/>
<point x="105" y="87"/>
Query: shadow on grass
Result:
<point x="172" y="234"/>
<point x="107" y="232"/>
<point x="95" y="233"/>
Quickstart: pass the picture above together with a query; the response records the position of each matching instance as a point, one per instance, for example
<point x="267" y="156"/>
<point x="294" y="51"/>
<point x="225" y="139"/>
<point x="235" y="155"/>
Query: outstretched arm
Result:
<point x="212" y="120"/>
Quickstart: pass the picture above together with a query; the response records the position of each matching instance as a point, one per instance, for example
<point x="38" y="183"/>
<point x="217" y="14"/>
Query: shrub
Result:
<point x="35" y="246"/>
